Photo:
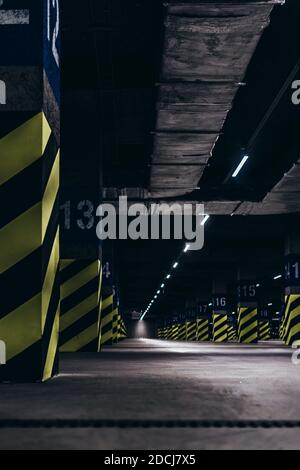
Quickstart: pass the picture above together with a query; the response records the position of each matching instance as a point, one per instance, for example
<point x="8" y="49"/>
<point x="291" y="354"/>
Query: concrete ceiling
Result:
<point x="207" y="48"/>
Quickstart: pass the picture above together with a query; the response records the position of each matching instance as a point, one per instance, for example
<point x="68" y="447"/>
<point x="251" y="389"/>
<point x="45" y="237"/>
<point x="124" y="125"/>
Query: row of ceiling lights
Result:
<point x="187" y="246"/>
<point x="168" y="276"/>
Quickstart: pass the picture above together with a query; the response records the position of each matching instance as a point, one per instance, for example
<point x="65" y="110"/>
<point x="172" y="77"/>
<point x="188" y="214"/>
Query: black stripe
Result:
<point x="10" y="121"/>
<point x="295" y="321"/>
<point x="295" y="304"/>
<point x="244" y="337"/>
<point x="18" y="199"/>
<point x="249" y="322"/>
<point x="107" y="310"/>
<point x="79" y="326"/>
<point x="25" y="367"/>
<point x="105" y="329"/>
<point x="246" y="312"/>
<point x="50" y="319"/>
<point x="73" y="269"/>
<point x="36" y="264"/>
<point x="91" y="347"/>
<point x="79" y="295"/>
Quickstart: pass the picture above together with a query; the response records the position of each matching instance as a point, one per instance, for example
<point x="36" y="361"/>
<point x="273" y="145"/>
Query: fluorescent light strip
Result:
<point x="186" y="248"/>
<point x="240" y="166"/>
<point x="205" y="220"/>
<point x="175" y="265"/>
<point x="277" y="277"/>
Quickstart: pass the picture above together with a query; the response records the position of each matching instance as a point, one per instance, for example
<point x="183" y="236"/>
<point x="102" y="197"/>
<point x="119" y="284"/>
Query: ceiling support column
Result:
<point x="220" y="311"/>
<point x="29" y="186"/>
<point x="247" y="305"/>
<point x="291" y="321"/>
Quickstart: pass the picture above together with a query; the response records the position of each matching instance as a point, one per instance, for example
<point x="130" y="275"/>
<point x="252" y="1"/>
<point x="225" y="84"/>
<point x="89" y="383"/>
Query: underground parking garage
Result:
<point x="149" y="227"/>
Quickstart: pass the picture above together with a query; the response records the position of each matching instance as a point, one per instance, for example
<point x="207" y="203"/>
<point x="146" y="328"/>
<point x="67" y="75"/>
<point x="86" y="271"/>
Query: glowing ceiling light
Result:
<point x="186" y="248"/>
<point x="240" y="166"/>
<point x="205" y="220"/>
<point x="175" y="265"/>
<point x="279" y="276"/>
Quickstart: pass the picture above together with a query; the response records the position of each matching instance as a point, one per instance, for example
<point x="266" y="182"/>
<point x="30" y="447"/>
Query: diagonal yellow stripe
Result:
<point x="80" y="340"/>
<point x="250" y="327"/>
<point x="250" y="339"/>
<point x="23" y="146"/>
<point x="13" y="331"/>
<point x="79" y="311"/>
<point x="106" y="337"/>
<point x="64" y="263"/>
<point x="50" y="194"/>
<point x="52" y="349"/>
<point x="79" y="280"/>
<point x="107" y="319"/>
<point x="107" y="301"/>
<point x="49" y="279"/>
<point x="26" y="233"/>
<point x="247" y="317"/>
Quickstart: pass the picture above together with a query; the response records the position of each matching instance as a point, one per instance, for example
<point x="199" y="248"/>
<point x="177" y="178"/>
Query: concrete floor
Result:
<point x="161" y="380"/>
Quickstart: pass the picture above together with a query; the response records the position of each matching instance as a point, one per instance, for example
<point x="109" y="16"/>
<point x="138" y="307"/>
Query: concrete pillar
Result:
<point x="115" y="324"/>
<point x="247" y="305"/>
<point x="81" y="282"/>
<point x="264" y="324"/>
<point x="203" y="321"/>
<point x="220" y="312"/>
<point x="191" y="321"/>
<point x="291" y="321"/>
<point x="181" y="327"/>
<point x="29" y="186"/>
<point x="108" y="305"/>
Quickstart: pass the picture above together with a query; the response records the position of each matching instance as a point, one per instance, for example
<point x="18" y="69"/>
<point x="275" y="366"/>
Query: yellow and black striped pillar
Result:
<point x="115" y="325"/>
<point x="174" y="334"/>
<point x="291" y="321"/>
<point x="232" y="333"/>
<point x="264" y="329"/>
<point x="29" y="187"/>
<point x="181" y="331"/>
<point x="247" y="312"/>
<point x="81" y="282"/>
<point x="291" y="328"/>
<point x="203" y="329"/>
<point x="169" y="330"/>
<point x="191" y="329"/>
<point x="123" y="329"/>
<point x="107" y="316"/>
<point x="219" y="316"/>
